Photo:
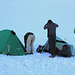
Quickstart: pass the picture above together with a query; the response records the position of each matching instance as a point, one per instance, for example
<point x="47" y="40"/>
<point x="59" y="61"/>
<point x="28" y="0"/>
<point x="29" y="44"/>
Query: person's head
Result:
<point x="49" y="21"/>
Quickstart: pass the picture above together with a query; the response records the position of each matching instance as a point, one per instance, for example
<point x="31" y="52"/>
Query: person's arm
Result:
<point x="46" y="26"/>
<point x="57" y="25"/>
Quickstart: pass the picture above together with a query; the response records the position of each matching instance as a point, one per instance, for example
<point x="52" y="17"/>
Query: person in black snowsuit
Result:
<point x="28" y="40"/>
<point x="51" y="34"/>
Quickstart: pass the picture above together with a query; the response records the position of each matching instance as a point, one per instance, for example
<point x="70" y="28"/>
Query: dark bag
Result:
<point x="39" y="49"/>
<point x="56" y="51"/>
<point x="65" y="52"/>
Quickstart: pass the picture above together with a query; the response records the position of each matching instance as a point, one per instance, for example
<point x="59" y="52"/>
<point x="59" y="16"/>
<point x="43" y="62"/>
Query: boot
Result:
<point x="52" y="56"/>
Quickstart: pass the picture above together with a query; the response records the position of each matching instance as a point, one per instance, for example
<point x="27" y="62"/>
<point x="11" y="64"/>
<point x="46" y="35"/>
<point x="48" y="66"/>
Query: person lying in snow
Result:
<point x="29" y="39"/>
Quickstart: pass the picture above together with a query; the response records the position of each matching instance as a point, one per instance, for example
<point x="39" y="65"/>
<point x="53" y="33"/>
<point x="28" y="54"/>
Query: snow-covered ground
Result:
<point x="36" y="64"/>
<point x="31" y="15"/>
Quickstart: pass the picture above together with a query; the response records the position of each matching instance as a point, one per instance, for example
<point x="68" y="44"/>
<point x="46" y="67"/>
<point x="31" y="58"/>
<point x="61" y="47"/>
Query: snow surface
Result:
<point x="23" y="16"/>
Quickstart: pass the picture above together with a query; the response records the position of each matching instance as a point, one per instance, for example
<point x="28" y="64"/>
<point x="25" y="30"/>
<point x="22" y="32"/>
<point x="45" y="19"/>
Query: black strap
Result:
<point x="60" y="41"/>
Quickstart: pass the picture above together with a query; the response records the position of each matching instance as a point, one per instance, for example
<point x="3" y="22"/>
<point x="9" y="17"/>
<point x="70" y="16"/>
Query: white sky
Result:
<point x="31" y="15"/>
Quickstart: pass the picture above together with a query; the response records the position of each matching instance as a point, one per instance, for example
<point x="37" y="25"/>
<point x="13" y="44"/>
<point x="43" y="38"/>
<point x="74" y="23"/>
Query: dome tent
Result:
<point x="10" y="43"/>
<point x="59" y="45"/>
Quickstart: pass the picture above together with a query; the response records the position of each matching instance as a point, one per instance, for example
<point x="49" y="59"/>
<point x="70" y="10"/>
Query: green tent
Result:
<point x="74" y="30"/>
<point x="9" y="43"/>
<point x="59" y="44"/>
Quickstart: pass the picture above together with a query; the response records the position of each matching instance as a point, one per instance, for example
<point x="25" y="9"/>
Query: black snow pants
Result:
<point x="52" y="43"/>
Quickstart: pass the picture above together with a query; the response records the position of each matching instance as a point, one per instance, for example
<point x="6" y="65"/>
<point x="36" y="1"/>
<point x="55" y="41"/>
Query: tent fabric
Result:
<point x="74" y="30"/>
<point x="59" y="44"/>
<point x="9" y="42"/>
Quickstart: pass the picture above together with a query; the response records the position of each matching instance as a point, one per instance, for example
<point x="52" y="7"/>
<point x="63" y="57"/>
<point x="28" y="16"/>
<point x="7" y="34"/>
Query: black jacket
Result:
<point x="26" y="36"/>
<point x="51" y="28"/>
